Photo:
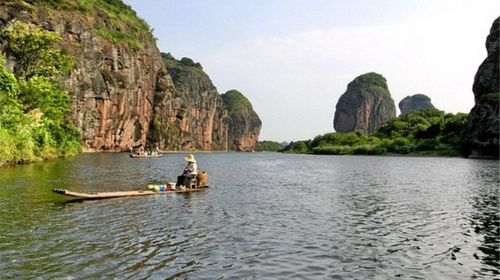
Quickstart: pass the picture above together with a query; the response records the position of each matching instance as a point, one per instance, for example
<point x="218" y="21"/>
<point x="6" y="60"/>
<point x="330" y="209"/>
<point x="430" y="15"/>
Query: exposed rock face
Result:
<point x="415" y="102"/>
<point x="365" y="106"/>
<point x="190" y="114"/>
<point x="244" y="123"/>
<point x="112" y="86"/>
<point x="482" y="133"/>
<point x="125" y="95"/>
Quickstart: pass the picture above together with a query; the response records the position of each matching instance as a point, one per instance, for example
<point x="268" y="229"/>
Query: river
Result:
<point x="270" y="216"/>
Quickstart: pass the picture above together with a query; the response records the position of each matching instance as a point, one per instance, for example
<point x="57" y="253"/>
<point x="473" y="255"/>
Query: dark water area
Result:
<point x="271" y="216"/>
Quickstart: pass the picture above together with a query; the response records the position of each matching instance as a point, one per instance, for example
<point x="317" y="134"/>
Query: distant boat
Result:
<point x="144" y="156"/>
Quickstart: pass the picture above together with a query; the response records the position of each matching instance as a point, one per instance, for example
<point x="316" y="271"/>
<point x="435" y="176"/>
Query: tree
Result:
<point x="33" y="105"/>
<point x="32" y="47"/>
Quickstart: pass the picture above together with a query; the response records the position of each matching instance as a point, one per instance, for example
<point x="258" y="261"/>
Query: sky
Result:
<point x="293" y="59"/>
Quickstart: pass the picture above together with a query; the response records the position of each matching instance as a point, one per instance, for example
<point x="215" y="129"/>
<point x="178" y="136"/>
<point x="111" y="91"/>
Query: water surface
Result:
<point x="271" y="216"/>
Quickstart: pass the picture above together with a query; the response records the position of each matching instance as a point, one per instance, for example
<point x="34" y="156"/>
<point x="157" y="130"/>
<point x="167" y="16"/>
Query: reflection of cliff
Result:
<point x="486" y="223"/>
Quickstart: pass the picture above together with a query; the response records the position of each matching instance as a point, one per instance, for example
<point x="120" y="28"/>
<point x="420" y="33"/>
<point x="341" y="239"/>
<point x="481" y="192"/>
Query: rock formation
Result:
<point x="482" y="132"/>
<point x="113" y="84"/>
<point x="365" y="105"/>
<point x="244" y="123"/>
<point x="121" y="87"/>
<point x="415" y="102"/>
<point x="191" y="115"/>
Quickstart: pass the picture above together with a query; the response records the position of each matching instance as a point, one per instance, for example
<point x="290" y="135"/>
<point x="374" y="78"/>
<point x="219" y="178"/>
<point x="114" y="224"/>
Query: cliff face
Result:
<point x="244" y="123"/>
<point x="123" y="93"/>
<point x="112" y="85"/>
<point x="365" y="106"/>
<point x="190" y="115"/>
<point x="415" y="102"/>
<point x="482" y="133"/>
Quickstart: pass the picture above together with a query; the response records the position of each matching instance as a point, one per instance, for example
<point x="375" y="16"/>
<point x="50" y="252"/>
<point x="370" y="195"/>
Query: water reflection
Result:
<point x="319" y="217"/>
<point x="485" y="219"/>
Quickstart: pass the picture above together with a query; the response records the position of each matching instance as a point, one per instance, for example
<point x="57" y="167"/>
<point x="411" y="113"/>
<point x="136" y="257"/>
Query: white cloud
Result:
<point x="295" y="80"/>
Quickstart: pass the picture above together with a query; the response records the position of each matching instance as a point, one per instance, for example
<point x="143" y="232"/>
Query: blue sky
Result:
<point x="293" y="59"/>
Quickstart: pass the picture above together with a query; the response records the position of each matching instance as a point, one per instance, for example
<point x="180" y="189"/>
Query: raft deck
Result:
<point x="101" y="195"/>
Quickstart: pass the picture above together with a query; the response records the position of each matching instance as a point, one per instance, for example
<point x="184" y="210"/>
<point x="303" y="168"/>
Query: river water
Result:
<point x="271" y="216"/>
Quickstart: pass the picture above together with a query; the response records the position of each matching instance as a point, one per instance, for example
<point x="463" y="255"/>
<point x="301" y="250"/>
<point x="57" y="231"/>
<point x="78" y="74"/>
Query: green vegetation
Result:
<point x="121" y="24"/>
<point x="372" y="82"/>
<point x="419" y="97"/>
<point x="32" y="48"/>
<point x="33" y="106"/>
<point x="235" y="101"/>
<point x="170" y="60"/>
<point x="421" y="132"/>
<point x="492" y="97"/>
<point x="269" y="146"/>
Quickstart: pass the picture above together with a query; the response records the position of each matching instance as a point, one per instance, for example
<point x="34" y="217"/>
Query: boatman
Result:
<point x="189" y="172"/>
<point x="191" y="168"/>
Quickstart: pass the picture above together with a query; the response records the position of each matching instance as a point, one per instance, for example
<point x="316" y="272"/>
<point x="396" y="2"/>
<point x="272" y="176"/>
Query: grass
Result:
<point x="121" y="26"/>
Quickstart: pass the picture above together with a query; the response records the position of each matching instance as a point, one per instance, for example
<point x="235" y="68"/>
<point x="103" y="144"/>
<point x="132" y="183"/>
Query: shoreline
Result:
<point x="413" y="155"/>
<point x="160" y="152"/>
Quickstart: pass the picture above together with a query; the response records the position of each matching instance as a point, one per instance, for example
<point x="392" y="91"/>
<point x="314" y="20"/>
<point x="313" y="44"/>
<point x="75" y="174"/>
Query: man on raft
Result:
<point x="188" y="177"/>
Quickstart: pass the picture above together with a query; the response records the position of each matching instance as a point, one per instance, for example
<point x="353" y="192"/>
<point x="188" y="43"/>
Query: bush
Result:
<point x="492" y="97"/>
<point x="270" y="146"/>
<point x="33" y="106"/>
<point x="332" y="150"/>
<point x="429" y="130"/>
<point x="368" y="150"/>
<point x="405" y="149"/>
<point x="300" y="147"/>
<point x="426" y="145"/>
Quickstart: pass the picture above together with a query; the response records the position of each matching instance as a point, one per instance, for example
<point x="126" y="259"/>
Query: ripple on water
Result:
<point x="321" y="217"/>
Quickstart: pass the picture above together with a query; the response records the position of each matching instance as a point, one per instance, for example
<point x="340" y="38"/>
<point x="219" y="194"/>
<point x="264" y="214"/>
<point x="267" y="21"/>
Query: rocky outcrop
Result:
<point x="190" y="114"/>
<point x="415" y="102"/>
<point x="482" y="132"/>
<point x="113" y="84"/>
<point x="123" y="93"/>
<point x="365" y="105"/>
<point x="244" y="123"/>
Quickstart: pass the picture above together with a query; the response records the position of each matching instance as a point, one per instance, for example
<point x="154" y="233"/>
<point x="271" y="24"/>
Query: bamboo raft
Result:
<point x="102" y="195"/>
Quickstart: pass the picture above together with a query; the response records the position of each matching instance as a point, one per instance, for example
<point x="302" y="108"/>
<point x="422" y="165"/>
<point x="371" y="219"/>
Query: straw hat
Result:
<point x="190" y="158"/>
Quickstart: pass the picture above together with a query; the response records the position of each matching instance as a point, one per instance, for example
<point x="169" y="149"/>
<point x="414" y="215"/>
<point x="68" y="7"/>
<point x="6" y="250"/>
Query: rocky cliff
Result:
<point x="365" y="105"/>
<point x="482" y="133"/>
<point x="117" y="66"/>
<point x="123" y="93"/>
<point x="415" y="102"/>
<point x="244" y="123"/>
<point x="191" y="115"/>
